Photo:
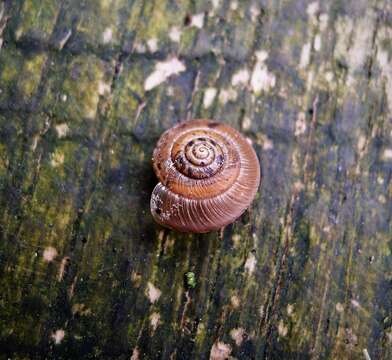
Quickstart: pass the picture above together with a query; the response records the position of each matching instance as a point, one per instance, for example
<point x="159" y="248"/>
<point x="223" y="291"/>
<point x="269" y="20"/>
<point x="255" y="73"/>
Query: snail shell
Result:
<point x="209" y="174"/>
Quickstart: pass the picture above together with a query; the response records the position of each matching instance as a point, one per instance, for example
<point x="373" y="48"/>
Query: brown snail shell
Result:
<point x="209" y="175"/>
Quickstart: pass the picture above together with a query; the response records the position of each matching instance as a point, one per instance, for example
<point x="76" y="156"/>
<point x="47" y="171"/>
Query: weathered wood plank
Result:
<point x="85" y="272"/>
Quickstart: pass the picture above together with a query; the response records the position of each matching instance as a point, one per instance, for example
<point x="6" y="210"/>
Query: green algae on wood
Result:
<point x="85" y="93"/>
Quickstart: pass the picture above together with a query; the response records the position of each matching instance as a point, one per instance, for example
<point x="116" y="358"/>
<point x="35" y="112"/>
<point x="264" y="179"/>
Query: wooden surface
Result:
<point x="87" y="87"/>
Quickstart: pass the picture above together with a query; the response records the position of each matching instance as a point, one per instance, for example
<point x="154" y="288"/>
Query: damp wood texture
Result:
<point x="86" y="89"/>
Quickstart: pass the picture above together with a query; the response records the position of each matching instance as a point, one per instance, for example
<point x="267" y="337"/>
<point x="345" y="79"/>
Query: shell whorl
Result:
<point x="208" y="173"/>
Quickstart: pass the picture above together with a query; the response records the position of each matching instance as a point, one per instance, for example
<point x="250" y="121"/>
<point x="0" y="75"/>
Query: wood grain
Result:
<point x="86" y="89"/>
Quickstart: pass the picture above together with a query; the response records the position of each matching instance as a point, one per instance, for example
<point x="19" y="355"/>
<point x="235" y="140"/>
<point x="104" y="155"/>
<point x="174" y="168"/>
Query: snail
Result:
<point x="209" y="175"/>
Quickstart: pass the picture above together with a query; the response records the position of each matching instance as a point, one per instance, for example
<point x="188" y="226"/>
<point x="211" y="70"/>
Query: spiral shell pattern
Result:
<point x="209" y="174"/>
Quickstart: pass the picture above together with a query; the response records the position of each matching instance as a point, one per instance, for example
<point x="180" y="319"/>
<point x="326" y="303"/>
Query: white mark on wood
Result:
<point x="290" y="309"/>
<point x="312" y="9"/>
<point x="387" y="155"/>
<point x="136" y="279"/>
<point x="355" y="303"/>
<point x="235" y="301"/>
<point x="238" y="335"/>
<point x="175" y="34"/>
<point x="107" y="35"/>
<point x="62" y="130"/>
<point x="261" y="55"/>
<point x="300" y="124"/>
<point x="152" y="44"/>
<point x="323" y="19"/>
<point x="366" y="354"/>
<point x="209" y="96"/>
<point x="241" y="77"/>
<point x="344" y="27"/>
<point x="220" y="351"/>
<point x="298" y="186"/>
<point x="380" y="180"/>
<point x="227" y="95"/>
<point x="65" y="38"/>
<point x="384" y="33"/>
<point x="250" y="264"/>
<point x="265" y="142"/>
<point x="317" y="42"/>
<point x="63" y="264"/>
<point x="215" y="3"/>
<point x="139" y="48"/>
<point x="262" y="79"/>
<point x="329" y="76"/>
<point x="135" y="354"/>
<point x="49" y="253"/>
<point x="282" y="329"/>
<point x="58" y="336"/>
<point x="234" y="5"/>
<point x="254" y="12"/>
<point x="362" y="41"/>
<point x="197" y="20"/>
<point x="261" y="310"/>
<point x="236" y="239"/>
<point x="154" y="320"/>
<point x="64" y="97"/>
<point x="35" y="142"/>
<point x="305" y="56"/>
<point x="18" y="33"/>
<point x="103" y="88"/>
<point x="57" y="159"/>
<point x="153" y="293"/>
<point x="339" y="307"/>
<point x="246" y="123"/>
<point x="382" y="199"/>
<point x="361" y="143"/>
<point x="163" y="70"/>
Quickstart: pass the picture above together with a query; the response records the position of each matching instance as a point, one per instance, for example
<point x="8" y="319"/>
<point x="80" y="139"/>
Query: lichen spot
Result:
<point x="57" y="159"/>
<point x="220" y="351"/>
<point x="312" y="9"/>
<point x="290" y="309"/>
<point x="227" y="95"/>
<point x="254" y="12"/>
<point x="58" y="336"/>
<point x="246" y="123"/>
<point x="355" y="303"/>
<point x="300" y="124"/>
<point x="153" y="293"/>
<point x="387" y="155"/>
<point x="261" y="78"/>
<point x="175" y="34"/>
<point x="241" y="77"/>
<point x="234" y="5"/>
<point x="154" y="320"/>
<point x="163" y="70"/>
<point x="152" y="44"/>
<point x="250" y="264"/>
<point x="282" y="329"/>
<point x="339" y="307"/>
<point x="236" y="240"/>
<point x="62" y="130"/>
<point x="238" y="335"/>
<point x="197" y="20"/>
<point x="235" y="301"/>
<point x="209" y="96"/>
<point x="107" y="35"/>
<point x="103" y="88"/>
<point x="49" y="254"/>
<point x="305" y="55"/>
<point x="317" y="42"/>
<point x="135" y="354"/>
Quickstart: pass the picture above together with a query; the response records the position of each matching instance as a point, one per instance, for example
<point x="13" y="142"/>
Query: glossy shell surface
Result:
<point x="209" y="174"/>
